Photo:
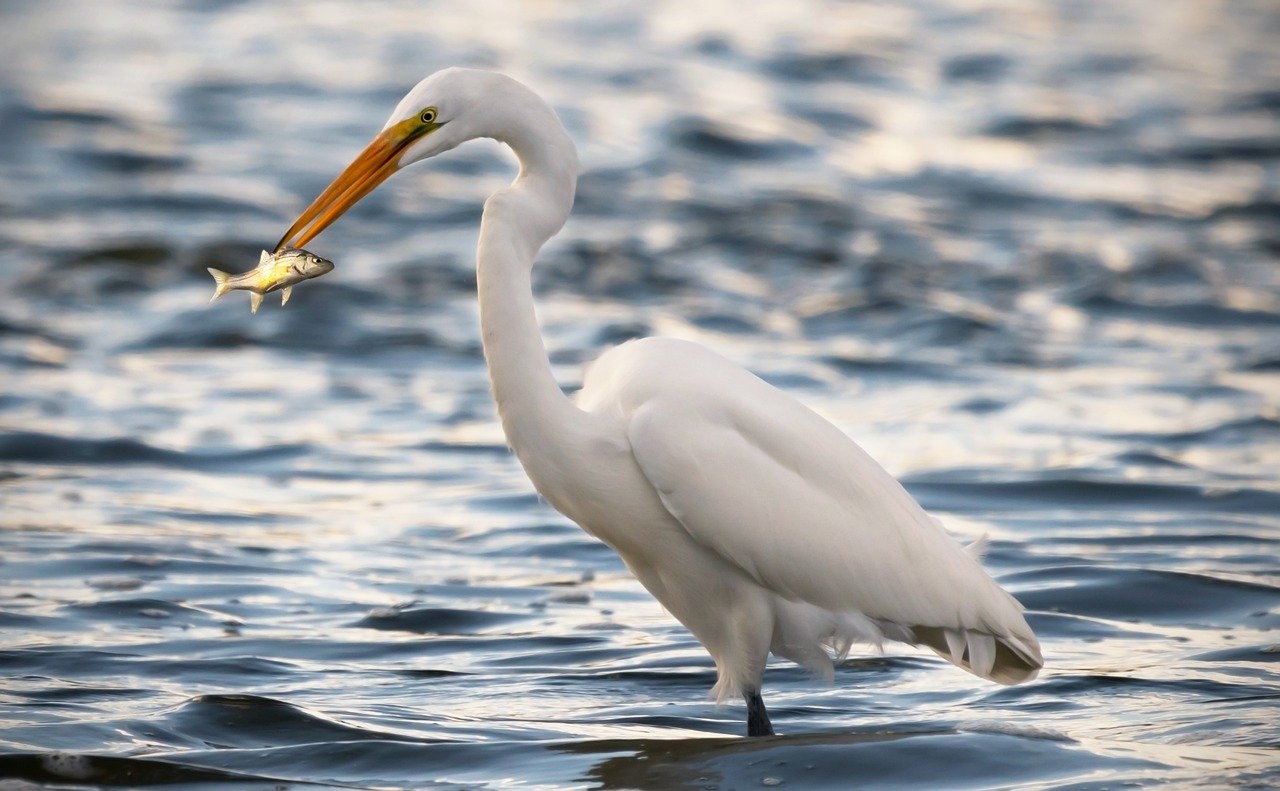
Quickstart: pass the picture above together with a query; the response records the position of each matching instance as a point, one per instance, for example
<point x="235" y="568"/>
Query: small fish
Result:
<point x="278" y="272"/>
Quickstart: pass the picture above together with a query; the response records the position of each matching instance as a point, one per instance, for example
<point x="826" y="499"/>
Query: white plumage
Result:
<point x="757" y="523"/>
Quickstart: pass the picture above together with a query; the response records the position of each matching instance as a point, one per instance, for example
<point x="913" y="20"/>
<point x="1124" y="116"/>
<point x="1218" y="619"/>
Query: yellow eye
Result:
<point x="429" y="115"/>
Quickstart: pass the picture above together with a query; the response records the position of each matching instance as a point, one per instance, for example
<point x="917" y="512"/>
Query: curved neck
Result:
<point x="517" y="222"/>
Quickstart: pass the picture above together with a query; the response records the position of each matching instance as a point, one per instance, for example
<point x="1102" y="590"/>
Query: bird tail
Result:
<point x="1004" y="658"/>
<point x="221" y="279"/>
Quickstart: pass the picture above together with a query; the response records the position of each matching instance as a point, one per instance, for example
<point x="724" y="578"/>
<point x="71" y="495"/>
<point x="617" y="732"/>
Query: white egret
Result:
<point x="754" y="521"/>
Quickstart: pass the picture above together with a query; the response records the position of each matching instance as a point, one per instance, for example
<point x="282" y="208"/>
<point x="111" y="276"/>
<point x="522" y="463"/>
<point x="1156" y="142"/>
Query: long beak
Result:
<point x="370" y="168"/>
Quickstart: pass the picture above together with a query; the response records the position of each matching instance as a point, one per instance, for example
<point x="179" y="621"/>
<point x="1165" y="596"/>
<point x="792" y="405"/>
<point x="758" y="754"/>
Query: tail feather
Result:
<point x="1005" y="659"/>
<point x="221" y="279"/>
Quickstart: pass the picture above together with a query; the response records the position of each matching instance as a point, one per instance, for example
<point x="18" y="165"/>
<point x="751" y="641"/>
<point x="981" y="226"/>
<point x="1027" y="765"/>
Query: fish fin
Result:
<point x="220" y="278"/>
<point x="264" y="259"/>
<point x="255" y="301"/>
<point x="285" y="293"/>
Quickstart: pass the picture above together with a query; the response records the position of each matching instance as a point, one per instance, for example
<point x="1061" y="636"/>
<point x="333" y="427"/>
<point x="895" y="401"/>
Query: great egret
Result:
<point x="754" y="521"/>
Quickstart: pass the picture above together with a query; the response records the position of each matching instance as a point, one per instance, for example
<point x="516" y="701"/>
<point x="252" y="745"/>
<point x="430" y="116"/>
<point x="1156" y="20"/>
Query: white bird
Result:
<point x="755" y="522"/>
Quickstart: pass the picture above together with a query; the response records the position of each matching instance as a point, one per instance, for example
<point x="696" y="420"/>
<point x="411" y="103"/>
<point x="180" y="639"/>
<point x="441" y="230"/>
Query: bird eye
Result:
<point x="429" y="115"/>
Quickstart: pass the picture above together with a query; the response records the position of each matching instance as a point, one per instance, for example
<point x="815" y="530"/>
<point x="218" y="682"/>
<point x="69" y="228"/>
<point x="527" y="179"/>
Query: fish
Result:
<point x="279" y="271"/>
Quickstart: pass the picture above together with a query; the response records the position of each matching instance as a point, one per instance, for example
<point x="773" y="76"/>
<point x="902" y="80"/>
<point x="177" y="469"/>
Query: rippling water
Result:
<point x="1028" y="254"/>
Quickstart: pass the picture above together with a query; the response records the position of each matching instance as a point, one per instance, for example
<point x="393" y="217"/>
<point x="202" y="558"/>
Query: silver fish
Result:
<point x="275" y="272"/>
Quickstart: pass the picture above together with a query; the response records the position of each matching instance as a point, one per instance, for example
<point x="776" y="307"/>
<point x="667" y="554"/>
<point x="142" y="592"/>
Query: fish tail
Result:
<point x="222" y="280"/>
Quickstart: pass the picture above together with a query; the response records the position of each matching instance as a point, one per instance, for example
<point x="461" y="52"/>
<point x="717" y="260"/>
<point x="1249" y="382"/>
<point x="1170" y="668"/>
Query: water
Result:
<point x="1025" y="253"/>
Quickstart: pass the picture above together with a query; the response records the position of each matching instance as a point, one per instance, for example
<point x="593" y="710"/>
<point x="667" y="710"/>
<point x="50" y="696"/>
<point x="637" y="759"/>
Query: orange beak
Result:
<point x="370" y="168"/>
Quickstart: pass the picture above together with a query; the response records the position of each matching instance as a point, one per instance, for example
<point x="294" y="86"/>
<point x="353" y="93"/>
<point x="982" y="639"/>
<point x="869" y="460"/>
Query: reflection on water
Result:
<point x="1026" y="253"/>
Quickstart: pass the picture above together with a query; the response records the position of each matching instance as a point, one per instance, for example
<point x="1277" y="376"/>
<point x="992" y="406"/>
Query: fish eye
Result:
<point x="429" y="115"/>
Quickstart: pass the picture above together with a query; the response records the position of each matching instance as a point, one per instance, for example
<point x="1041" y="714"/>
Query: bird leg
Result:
<point x="757" y="718"/>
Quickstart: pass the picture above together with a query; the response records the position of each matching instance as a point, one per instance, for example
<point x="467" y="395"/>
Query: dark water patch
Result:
<point x="618" y="333"/>
<point x="72" y="692"/>
<point x="438" y="620"/>
<point x="983" y="406"/>
<point x="322" y="321"/>
<point x="880" y="759"/>
<point x="232" y="670"/>
<point x="1215" y="152"/>
<point x="576" y="546"/>
<point x="895" y="368"/>
<point x="464" y="448"/>
<point x="619" y="269"/>
<point x="428" y="279"/>
<point x="1115" y="687"/>
<point x="552" y="657"/>
<point x="221" y="105"/>
<point x="910" y="325"/>
<point x="982" y="68"/>
<point x="1231" y="433"/>
<point x="950" y="491"/>
<point x="1264" y="364"/>
<point x="696" y="682"/>
<point x="1144" y="595"/>
<point x="774" y="231"/>
<point x="1169" y="268"/>
<point x="61" y="661"/>
<point x="176" y="203"/>
<point x="728" y="323"/>
<point x="23" y="622"/>
<point x="1059" y="625"/>
<point x="391" y="762"/>
<point x="1197" y="313"/>
<point x="1263" y="208"/>
<point x="807" y="67"/>
<point x="80" y="118"/>
<point x="1041" y="128"/>
<point x="129" y="163"/>
<point x="1141" y="458"/>
<point x="708" y="138"/>
<point x="1266" y="654"/>
<point x="28" y="329"/>
<point x="138" y="570"/>
<point x="1266" y="100"/>
<point x="1103" y="65"/>
<point x="72" y="770"/>
<point x="158" y="611"/>
<point x="252" y="721"/>
<point x="603" y="191"/>
<point x="1171" y="537"/>
<point x="36" y="448"/>
<point x="968" y="195"/>
<point x="832" y="120"/>
<point x="428" y="673"/>
<point x="141" y="253"/>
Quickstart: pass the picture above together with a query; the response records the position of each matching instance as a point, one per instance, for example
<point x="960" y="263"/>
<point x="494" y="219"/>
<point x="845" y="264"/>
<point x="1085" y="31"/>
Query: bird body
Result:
<point x="757" y="523"/>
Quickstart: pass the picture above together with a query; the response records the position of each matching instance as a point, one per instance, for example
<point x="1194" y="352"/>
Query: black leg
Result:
<point x="757" y="718"/>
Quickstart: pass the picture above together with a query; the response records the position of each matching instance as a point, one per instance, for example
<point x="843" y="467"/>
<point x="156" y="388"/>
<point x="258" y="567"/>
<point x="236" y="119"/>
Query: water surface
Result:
<point x="1027" y="254"/>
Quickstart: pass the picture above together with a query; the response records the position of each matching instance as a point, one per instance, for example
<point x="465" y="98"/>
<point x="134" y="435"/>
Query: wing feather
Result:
<point x="785" y="496"/>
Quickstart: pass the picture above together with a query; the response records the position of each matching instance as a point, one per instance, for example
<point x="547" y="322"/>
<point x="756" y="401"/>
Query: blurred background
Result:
<point x="1026" y="254"/>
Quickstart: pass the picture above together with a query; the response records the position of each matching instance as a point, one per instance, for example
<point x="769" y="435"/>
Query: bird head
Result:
<point x="444" y="110"/>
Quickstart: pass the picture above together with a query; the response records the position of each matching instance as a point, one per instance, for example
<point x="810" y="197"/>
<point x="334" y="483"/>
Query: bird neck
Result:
<point x="517" y="222"/>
